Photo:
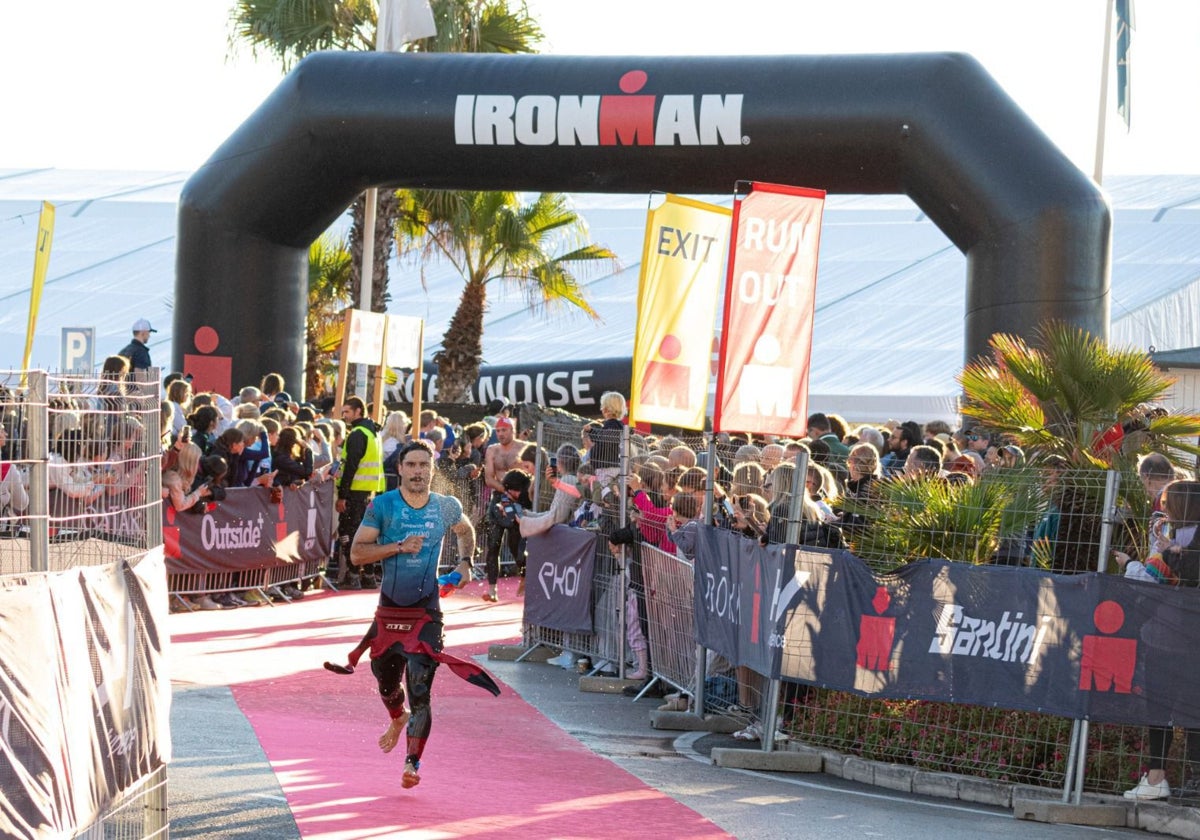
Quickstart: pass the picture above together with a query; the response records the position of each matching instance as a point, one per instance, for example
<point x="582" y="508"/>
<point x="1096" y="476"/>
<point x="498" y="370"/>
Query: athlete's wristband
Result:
<point x="466" y="560"/>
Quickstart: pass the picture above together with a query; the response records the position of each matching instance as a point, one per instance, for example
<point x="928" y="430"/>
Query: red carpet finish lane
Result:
<point x="493" y="766"/>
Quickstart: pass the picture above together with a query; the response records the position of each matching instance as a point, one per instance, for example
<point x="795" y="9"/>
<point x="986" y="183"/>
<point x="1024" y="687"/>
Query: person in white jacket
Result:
<point x="13" y="496"/>
<point x="560" y="473"/>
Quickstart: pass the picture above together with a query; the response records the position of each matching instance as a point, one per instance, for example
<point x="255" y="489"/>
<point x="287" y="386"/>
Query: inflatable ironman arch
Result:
<point x="936" y="127"/>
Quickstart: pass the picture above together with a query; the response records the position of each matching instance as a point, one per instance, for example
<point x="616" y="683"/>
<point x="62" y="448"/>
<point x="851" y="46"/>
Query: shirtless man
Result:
<point x="403" y="530"/>
<point x="498" y="459"/>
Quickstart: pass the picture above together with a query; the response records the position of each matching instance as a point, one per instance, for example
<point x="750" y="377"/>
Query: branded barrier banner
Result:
<point x="558" y="585"/>
<point x="677" y="307"/>
<point x="119" y="516"/>
<point x="84" y="693"/>
<point x="770" y="295"/>
<point x="246" y="530"/>
<point x="1080" y="646"/>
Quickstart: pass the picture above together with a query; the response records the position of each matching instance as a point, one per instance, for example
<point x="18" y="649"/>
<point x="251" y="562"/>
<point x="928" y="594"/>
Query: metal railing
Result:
<point x="81" y="487"/>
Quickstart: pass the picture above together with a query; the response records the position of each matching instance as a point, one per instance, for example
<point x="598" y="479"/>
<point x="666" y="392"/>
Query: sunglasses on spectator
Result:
<point x="973" y="437"/>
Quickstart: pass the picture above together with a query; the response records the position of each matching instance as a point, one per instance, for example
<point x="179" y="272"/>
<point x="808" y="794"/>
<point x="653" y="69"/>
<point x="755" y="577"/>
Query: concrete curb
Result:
<point x="782" y="761"/>
<point x="687" y="722"/>
<point x="1062" y="812"/>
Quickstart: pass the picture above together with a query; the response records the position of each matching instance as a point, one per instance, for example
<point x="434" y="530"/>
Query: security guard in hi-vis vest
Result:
<point x="359" y="477"/>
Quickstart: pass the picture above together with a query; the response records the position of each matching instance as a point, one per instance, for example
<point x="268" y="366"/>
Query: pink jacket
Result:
<point x="654" y="522"/>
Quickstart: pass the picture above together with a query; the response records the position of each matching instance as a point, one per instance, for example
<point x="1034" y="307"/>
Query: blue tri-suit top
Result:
<point x="412" y="578"/>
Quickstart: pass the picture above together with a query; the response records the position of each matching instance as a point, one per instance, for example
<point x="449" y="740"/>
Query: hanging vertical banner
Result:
<point x="41" y="263"/>
<point x="677" y="305"/>
<point x="766" y="332"/>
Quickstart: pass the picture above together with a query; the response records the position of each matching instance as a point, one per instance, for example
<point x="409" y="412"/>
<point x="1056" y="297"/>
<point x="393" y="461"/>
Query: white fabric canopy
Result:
<point x="888" y="336"/>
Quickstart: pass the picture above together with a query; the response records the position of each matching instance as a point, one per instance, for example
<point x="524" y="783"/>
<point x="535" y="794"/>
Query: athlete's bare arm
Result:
<point x="465" y="533"/>
<point x="366" y="550"/>
<point x="490" y="476"/>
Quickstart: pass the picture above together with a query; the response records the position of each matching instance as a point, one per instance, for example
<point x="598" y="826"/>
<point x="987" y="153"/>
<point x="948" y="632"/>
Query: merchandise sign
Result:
<point x="770" y="295"/>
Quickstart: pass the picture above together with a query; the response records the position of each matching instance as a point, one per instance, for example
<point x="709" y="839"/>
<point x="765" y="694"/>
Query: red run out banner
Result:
<point x="770" y="293"/>
<point x="1092" y="646"/>
<point x="246" y="530"/>
<point x="85" y="695"/>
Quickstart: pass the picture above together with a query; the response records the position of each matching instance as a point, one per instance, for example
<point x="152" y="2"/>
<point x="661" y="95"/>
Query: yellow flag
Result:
<point x="682" y="266"/>
<point x="41" y="262"/>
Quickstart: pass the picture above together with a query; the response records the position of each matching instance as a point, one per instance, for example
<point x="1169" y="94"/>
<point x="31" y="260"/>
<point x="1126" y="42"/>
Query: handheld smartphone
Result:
<point x="554" y="464"/>
<point x="727" y="506"/>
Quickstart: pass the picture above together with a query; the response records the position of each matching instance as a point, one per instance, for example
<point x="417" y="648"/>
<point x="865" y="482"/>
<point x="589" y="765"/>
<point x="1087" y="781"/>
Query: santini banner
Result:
<point x="1080" y="646"/>
<point x="766" y="334"/>
<point x="677" y="308"/>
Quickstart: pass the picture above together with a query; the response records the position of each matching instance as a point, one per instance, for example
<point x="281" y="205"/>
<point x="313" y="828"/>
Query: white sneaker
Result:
<point x="205" y="602"/>
<point x="1145" y="791"/>
<point x="753" y="732"/>
<point x="566" y="659"/>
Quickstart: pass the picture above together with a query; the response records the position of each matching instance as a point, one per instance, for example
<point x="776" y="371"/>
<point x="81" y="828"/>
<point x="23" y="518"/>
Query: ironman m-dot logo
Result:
<point x="625" y="119"/>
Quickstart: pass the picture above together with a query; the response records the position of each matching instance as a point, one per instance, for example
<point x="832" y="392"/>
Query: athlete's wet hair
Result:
<point x="415" y="446"/>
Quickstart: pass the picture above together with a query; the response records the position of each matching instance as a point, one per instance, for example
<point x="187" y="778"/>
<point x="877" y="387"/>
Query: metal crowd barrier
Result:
<point x="113" y="434"/>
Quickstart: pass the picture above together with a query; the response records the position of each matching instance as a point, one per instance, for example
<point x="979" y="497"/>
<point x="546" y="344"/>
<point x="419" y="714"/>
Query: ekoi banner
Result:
<point x="558" y="592"/>
<point x="677" y="308"/>
<point x="1092" y="646"/>
<point x="770" y="294"/>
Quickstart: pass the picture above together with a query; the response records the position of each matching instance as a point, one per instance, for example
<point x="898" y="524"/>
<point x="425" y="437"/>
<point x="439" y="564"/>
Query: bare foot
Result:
<point x="391" y="735"/>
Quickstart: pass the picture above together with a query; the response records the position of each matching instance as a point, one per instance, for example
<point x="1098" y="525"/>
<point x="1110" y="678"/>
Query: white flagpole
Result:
<point x="1101" y="120"/>
<point x="396" y="23"/>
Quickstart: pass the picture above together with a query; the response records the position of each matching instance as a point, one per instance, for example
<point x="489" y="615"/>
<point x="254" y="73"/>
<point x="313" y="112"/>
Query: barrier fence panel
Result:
<point x="670" y="612"/>
<point x="597" y="509"/>
<point x="1047" y="517"/>
<point x="79" y="468"/>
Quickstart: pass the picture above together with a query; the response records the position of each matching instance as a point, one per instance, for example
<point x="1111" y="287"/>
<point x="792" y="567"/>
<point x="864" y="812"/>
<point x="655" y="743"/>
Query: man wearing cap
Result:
<point x="136" y="351"/>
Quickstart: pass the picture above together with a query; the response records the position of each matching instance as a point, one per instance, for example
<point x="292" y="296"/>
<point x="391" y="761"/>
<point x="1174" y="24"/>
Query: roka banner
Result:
<point x="770" y="294"/>
<point x="677" y="307"/>
<point x="558" y="579"/>
<point x="741" y="591"/>
<point x="246" y="530"/>
<point x="1089" y="646"/>
<point x="85" y="694"/>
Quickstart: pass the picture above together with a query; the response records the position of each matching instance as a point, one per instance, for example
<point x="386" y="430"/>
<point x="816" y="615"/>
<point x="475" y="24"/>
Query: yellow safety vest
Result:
<point x="369" y="475"/>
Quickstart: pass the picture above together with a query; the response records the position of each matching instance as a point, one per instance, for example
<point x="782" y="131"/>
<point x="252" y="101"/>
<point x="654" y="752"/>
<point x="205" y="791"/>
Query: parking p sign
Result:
<point x="78" y="350"/>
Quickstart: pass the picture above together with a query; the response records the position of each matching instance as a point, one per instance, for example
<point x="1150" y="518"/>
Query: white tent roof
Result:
<point x="888" y="335"/>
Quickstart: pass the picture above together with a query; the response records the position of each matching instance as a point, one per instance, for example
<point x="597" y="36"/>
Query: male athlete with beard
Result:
<point x="403" y="530"/>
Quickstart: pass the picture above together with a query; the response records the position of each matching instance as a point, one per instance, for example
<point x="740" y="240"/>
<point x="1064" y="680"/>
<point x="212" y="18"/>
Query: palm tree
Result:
<point x="489" y="237"/>
<point x="329" y="268"/>
<point x="1072" y="396"/>
<point x="288" y="30"/>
